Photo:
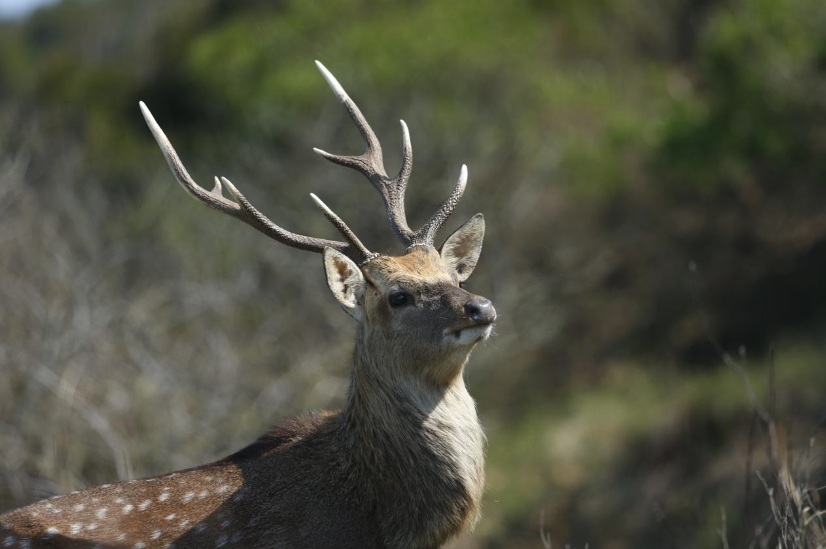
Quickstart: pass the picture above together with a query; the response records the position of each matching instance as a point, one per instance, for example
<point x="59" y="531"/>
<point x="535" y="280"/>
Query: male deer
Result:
<point x="401" y="466"/>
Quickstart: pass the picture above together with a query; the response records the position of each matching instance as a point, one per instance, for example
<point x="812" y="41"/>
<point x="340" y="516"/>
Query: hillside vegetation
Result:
<point x="653" y="176"/>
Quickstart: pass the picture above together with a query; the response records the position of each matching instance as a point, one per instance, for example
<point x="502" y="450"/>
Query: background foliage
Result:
<point x="652" y="174"/>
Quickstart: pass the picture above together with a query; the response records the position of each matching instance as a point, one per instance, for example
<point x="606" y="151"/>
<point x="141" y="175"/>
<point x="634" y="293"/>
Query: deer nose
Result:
<point x="481" y="311"/>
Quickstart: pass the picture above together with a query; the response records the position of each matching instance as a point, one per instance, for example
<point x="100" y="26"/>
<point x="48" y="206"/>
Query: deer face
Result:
<point x="412" y="308"/>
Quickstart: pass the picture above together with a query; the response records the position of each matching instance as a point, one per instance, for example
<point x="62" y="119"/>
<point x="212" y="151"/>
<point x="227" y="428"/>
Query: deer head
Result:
<point x="415" y="319"/>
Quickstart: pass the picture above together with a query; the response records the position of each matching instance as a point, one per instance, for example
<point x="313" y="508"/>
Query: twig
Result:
<point x="546" y="539"/>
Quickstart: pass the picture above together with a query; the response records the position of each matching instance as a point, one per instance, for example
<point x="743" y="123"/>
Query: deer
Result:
<point x="400" y="466"/>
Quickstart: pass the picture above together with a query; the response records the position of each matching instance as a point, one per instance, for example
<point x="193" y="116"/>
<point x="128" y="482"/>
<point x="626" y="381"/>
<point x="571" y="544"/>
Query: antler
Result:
<point x="371" y="165"/>
<point x="246" y="212"/>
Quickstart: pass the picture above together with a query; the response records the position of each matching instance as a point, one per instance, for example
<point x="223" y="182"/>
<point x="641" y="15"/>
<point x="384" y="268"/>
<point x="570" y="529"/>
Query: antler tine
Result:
<point x="342" y="227"/>
<point x="427" y="233"/>
<point x="407" y="163"/>
<point x="241" y="209"/>
<point x="371" y="163"/>
<point x="212" y="199"/>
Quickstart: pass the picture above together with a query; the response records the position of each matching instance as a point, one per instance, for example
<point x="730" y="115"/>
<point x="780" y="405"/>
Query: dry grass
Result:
<point x="796" y="520"/>
<point x="121" y="356"/>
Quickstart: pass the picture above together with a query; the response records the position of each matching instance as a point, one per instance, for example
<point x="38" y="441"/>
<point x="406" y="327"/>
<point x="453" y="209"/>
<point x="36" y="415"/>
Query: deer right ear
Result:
<point x="345" y="280"/>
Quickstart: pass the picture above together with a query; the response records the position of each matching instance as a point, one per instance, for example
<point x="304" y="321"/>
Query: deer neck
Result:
<point x="421" y="442"/>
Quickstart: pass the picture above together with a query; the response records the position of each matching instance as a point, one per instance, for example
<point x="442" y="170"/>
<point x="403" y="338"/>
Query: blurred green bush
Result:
<point x="610" y="145"/>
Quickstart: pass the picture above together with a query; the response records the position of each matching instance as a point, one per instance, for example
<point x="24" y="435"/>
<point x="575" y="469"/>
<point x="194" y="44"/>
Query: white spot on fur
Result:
<point x="145" y="505"/>
<point x="92" y="526"/>
<point x="75" y="528"/>
<point x="121" y="537"/>
<point x="51" y="530"/>
<point x="8" y="541"/>
<point x="128" y="508"/>
<point x="164" y="496"/>
<point x="156" y="534"/>
<point x="169" y="517"/>
<point x="118" y="500"/>
<point x="225" y="524"/>
<point x="200" y="527"/>
<point x="203" y="494"/>
<point x="101" y="513"/>
<point x="105" y="485"/>
<point x="184" y="523"/>
<point x="222" y="489"/>
<point x="221" y="541"/>
<point x="188" y="497"/>
<point x="139" y="545"/>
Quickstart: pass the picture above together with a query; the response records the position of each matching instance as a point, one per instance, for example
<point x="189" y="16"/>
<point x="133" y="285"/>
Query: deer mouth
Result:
<point x="470" y="333"/>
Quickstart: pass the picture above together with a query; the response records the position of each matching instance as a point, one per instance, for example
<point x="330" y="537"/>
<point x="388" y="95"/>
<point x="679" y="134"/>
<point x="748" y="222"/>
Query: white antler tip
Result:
<point x="150" y="120"/>
<point x="231" y="188"/>
<point x="332" y="82"/>
<point x="147" y="116"/>
<point x="462" y="183"/>
<point x="319" y="202"/>
<point x="160" y="137"/>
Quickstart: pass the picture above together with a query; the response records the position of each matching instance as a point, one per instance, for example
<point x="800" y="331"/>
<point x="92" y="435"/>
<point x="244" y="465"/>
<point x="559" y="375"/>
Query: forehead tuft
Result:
<point x="420" y="262"/>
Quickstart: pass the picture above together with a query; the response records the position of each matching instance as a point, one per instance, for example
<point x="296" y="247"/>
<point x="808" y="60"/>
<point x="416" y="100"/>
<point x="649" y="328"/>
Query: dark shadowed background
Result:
<point x="653" y="176"/>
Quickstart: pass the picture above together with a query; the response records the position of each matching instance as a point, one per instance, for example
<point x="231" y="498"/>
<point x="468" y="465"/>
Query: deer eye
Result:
<point x="398" y="299"/>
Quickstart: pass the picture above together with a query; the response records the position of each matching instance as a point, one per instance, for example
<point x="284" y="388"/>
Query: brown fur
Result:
<point x="400" y="467"/>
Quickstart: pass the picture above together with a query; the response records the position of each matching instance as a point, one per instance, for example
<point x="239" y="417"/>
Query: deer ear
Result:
<point x="345" y="280"/>
<point x="461" y="249"/>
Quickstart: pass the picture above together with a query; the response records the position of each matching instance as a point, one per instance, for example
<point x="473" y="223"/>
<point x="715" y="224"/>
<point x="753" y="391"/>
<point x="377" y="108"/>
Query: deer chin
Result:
<point x="469" y="335"/>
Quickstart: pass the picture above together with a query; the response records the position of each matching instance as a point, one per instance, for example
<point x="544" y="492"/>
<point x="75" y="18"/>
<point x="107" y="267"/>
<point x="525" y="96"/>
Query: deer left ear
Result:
<point x="461" y="249"/>
<point x="345" y="281"/>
